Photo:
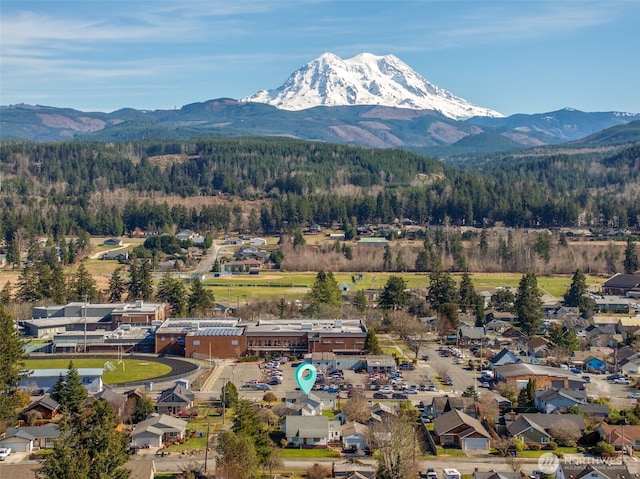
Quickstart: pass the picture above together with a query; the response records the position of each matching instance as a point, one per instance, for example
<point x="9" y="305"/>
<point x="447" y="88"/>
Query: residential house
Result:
<point x="185" y="235"/>
<point x="112" y="242"/>
<point x="497" y="326"/>
<point x="116" y="400"/>
<point x="45" y="379"/>
<point x="496" y="475"/>
<point x="470" y="335"/>
<point x="174" y="400"/>
<point x="628" y="326"/>
<point x="44" y="408"/>
<point x="536" y="427"/>
<point x="538" y="347"/>
<point x="119" y="256"/>
<point x="601" y="470"/>
<point x="310" y="431"/>
<point x="550" y="401"/>
<point x="30" y="438"/>
<point x="258" y="242"/>
<point x="593" y="410"/>
<point x="630" y="365"/>
<point x="141" y="469"/>
<point x="614" y="435"/>
<point x="514" y="338"/>
<point x="503" y="357"/>
<point x="505" y="316"/>
<point x="595" y="365"/>
<point x="443" y="404"/>
<point x="157" y="430"/>
<point x="354" y="436"/>
<point x="456" y="428"/>
<point x="379" y="411"/>
<point x="519" y="374"/>
<point x="323" y="400"/>
<point x="353" y="469"/>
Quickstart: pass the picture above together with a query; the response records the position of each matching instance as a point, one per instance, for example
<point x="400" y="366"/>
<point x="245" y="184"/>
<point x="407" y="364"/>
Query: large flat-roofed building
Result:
<point x="287" y="337"/>
<point x="49" y="320"/>
<point x="201" y="338"/>
<point x="519" y="374"/>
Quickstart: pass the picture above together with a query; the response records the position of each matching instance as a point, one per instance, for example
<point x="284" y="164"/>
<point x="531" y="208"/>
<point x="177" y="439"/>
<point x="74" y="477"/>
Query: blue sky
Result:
<point x="512" y="56"/>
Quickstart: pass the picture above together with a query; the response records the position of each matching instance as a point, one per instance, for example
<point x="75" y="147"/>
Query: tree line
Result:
<point x="64" y="188"/>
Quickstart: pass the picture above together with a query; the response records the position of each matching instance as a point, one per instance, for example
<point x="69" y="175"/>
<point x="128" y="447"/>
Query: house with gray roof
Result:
<point x="310" y="431"/>
<point x="503" y="357"/>
<point x="536" y="427"/>
<point x="443" y="404"/>
<point x="158" y="429"/>
<point x="174" y="400"/>
<point x="549" y="401"/>
<point x="602" y="470"/>
<point x="496" y="475"/>
<point x="30" y="438"/>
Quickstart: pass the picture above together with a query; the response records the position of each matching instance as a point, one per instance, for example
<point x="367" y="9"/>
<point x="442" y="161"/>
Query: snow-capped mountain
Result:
<point x="365" y="79"/>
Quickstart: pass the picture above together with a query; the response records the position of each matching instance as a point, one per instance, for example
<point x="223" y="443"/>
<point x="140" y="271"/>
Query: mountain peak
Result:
<point x="365" y="79"/>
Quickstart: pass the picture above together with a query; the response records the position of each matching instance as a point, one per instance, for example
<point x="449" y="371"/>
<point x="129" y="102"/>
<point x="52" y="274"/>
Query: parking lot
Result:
<point x="425" y="373"/>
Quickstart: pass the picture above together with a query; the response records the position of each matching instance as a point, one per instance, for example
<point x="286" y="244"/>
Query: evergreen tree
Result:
<point x="400" y="263"/>
<point x="70" y="392"/>
<point x="631" y="262"/>
<point x="235" y="456"/>
<point x="89" y="447"/>
<point x="442" y="289"/>
<point x="324" y="291"/>
<point x="200" y="298"/>
<point x="246" y="423"/>
<point x="144" y="407"/>
<point x="298" y="238"/>
<point x="360" y="301"/>
<point x="146" y="280"/>
<point x="5" y="293"/>
<point x="230" y="394"/>
<point x="394" y="294"/>
<point x="117" y="285"/>
<point x="371" y="343"/>
<point x="12" y="357"/>
<point x="423" y="260"/>
<point x="543" y="246"/>
<point x="174" y="292"/>
<point x="467" y="293"/>
<point x="58" y="285"/>
<point x="483" y="246"/>
<point x="28" y="290"/>
<point x="576" y="296"/>
<point x="528" y="305"/>
<point x="84" y="287"/>
<point x="387" y="259"/>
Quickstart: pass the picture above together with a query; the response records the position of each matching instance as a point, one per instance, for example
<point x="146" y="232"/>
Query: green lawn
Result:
<point x="129" y="370"/>
<point x="450" y="451"/>
<point x="308" y="453"/>
<point x="276" y="284"/>
<point x="537" y="454"/>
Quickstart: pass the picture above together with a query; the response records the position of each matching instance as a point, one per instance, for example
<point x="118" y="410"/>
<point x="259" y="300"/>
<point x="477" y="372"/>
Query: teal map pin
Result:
<point x="306" y="375"/>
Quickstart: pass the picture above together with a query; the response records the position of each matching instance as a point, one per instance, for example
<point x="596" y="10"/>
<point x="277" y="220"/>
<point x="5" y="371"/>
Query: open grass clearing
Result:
<point x="308" y="453"/>
<point x="128" y="370"/>
<point x="537" y="454"/>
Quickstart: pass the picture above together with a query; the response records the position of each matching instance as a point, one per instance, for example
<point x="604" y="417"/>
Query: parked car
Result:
<point x="413" y="389"/>
<point x="621" y="381"/>
<point x="448" y="382"/>
<point x="633" y="395"/>
<point x="433" y="388"/>
<point x="431" y="474"/>
<point x="332" y="389"/>
<point x="399" y="396"/>
<point x="613" y="377"/>
<point x="263" y="387"/>
<point x="379" y="395"/>
<point x="386" y="390"/>
<point x="423" y="387"/>
<point x="4" y="453"/>
<point x="587" y="378"/>
<point x="484" y="384"/>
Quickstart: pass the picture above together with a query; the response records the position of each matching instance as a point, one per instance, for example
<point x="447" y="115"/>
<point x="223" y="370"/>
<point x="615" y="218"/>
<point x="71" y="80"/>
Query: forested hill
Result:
<point x="266" y="185"/>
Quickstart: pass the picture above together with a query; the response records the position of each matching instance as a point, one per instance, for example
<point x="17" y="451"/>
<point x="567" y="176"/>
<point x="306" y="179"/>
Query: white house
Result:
<point x="45" y="379"/>
<point x="354" y="435"/>
<point x="310" y="430"/>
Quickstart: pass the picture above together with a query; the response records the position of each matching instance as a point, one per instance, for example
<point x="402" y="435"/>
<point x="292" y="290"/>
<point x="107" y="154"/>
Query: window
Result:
<point x="234" y="342"/>
<point x="326" y="341"/>
<point x="162" y="338"/>
<point x="196" y="342"/>
<point x="339" y="341"/>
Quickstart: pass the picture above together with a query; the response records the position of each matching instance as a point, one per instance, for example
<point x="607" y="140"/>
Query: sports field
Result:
<point x="128" y="370"/>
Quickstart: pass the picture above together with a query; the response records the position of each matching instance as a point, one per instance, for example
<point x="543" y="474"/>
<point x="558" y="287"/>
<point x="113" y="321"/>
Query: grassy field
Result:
<point x="308" y="453"/>
<point x="129" y="370"/>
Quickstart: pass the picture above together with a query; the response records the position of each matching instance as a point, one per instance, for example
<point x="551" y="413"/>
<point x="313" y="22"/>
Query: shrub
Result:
<point x="519" y="445"/>
<point x="604" y="449"/>
<point x="248" y="359"/>
<point x="579" y="450"/>
<point x="534" y="446"/>
<point x="553" y="445"/>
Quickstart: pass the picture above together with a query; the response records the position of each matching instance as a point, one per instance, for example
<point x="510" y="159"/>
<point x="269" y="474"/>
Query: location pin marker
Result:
<point x="306" y="375"/>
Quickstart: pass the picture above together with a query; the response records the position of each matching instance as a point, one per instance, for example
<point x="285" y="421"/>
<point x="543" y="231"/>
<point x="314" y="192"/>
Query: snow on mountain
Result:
<point x="365" y="79"/>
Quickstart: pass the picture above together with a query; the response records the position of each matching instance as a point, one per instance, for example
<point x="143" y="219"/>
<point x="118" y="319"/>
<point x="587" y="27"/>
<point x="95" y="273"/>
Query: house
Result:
<point x="614" y="435"/>
<point x="44" y="408"/>
<point x="353" y="469"/>
<point x="471" y="335"/>
<point x="620" y="284"/>
<point x="595" y="365"/>
<point x="174" y="400"/>
<point x="500" y="315"/>
<point x="31" y="438"/>
<point x="45" y="379"/>
<point x="185" y="235"/>
<point x="443" y="404"/>
<point x="157" y="430"/>
<point x="375" y="242"/>
<point x="119" y="256"/>
<point x="311" y="431"/>
<point x="536" y="427"/>
<point x="549" y="401"/>
<point x="496" y="326"/>
<point x="599" y="470"/>
<point x="379" y="411"/>
<point x="519" y="374"/>
<point x="538" y="347"/>
<point x="456" y="428"/>
<point x="141" y="469"/>
<point x="496" y="475"/>
<point x="112" y="242"/>
<point x="324" y="400"/>
<point x="598" y="411"/>
<point x="116" y="400"/>
<point x="258" y="242"/>
<point x="354" y="436"/>
<point x="630" y="365"/>
<point x="503" y="357"/>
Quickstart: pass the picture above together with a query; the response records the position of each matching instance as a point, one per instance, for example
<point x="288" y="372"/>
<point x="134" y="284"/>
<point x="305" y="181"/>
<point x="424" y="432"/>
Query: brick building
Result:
<point x="519" y="374"/>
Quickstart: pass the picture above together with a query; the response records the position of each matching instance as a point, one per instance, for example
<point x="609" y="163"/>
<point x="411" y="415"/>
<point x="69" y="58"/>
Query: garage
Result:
<point x="476" y="444"/>
<point x="20" y="442"/>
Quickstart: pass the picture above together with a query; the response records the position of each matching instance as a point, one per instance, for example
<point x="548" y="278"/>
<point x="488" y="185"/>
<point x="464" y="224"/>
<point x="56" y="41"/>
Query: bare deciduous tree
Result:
<point x="395" y="440"/>
<point x="565" y="432"/>
<point x="318" y="471"/>
<point x="357" y="408"/>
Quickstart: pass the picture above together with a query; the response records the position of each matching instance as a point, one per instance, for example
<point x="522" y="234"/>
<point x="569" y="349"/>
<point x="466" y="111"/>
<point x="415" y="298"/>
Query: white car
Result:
<point x="633" y="396"/>
<point x="4" y="453"/>
<point x="621" y="381"/>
